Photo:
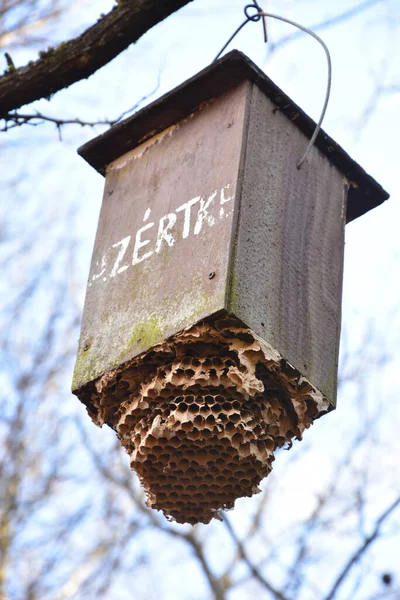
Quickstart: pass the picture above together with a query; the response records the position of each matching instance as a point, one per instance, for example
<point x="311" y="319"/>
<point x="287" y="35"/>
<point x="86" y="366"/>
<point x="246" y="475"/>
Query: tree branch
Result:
<point x="58" y="68"/>
<point x="16" y="119"/>
<point x="253" y="569"/>
<point x="362" y="549"/>
<point x="327" y="23"/>
<point x="214" y="583"/>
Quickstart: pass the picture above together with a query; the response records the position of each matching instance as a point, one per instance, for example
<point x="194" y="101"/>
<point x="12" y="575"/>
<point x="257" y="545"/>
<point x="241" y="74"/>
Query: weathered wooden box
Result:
<point x="205" y="215"/>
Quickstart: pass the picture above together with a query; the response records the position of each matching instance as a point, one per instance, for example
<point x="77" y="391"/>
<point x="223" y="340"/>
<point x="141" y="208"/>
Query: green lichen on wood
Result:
<point x="85" y="367"/>
<point x="144" y="334"/>
<point x="90" y="362"/>
<point x="44" y="54"/>
<point x="231" y="290"/>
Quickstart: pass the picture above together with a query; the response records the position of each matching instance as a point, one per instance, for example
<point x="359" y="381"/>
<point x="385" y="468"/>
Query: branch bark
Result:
<point x="57" y="68"/>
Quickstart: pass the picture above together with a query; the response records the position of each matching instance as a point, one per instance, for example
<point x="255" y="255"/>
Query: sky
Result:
<point x="43" y="178"/>
<point x="189" y="40"/>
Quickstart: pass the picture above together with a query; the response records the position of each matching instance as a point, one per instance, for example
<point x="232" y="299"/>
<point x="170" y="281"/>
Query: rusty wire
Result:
<point x="261" y="14"/>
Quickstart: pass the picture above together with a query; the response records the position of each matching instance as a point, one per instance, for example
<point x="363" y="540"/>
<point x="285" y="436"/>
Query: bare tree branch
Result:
<point x="125" y="482"/>
<point x="362" y="549"/>
<point x="379" y="91"/>
<point x="104" y="539"/>
<point x="330" y="22"/>
<point x="79" y="58"/>
<point x="215" y="585"/>
<point x="16" y="119"/>
<point x="254" y="571"/>
<point x="20" y="18"/>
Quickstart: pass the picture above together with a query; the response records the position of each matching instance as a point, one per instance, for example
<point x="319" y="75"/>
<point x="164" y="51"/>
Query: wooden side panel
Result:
<point x="288" y="254"/>
<point x="161" y="256"/>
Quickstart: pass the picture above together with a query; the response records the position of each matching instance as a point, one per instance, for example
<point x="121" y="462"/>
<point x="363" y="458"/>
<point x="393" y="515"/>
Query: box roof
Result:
<point x="233" y="68"/>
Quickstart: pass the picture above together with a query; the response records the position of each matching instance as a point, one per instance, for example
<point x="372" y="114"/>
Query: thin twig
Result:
<point x="59" y="67"/>
<point x="214" y="583"/>
<point x="16" y="119"/>
<point x="362" y="549"/>
<point x="254" y="570"/>
<point x="330" y="22"/>
<point x="188" y="537"/>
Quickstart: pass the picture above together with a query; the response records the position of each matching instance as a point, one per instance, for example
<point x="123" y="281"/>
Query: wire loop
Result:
<point x="256" y="17"/>
<point x="260" y="14"/>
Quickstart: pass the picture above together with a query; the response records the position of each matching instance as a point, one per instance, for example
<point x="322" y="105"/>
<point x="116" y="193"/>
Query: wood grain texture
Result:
<point x="145" y="285"/>
<point x="288" y="253"/>
<point x="218" y="78"/>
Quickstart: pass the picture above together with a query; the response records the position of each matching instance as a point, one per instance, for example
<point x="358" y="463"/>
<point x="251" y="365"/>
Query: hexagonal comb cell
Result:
<point x="202" y="414"/>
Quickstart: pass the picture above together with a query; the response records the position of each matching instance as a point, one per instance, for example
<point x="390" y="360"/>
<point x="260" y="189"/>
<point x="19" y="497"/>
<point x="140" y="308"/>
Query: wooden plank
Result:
<point x="213" y="81"/>
<point x="160" y="261"/>
<point x="288" y="253"/>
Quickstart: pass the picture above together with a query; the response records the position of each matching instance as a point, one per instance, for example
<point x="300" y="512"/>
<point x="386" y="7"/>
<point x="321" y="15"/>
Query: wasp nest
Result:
<point x="202" y="414"/>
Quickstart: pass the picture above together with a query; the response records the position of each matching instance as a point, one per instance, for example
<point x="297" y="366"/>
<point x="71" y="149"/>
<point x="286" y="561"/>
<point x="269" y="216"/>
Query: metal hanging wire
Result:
<point x="261" y="14"/>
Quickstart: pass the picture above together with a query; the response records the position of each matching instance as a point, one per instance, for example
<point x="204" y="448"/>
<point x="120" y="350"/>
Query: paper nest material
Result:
<point x="202" y="414"/>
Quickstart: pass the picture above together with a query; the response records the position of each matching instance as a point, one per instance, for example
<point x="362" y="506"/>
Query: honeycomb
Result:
<point x="202" y="414"/>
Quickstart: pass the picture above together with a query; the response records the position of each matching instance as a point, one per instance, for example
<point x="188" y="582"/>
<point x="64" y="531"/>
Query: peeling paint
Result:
<point x="124" y="160"/>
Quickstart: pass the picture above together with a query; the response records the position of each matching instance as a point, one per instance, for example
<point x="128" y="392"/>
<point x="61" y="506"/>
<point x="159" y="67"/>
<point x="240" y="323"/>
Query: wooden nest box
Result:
<point x="211" y="326"/>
